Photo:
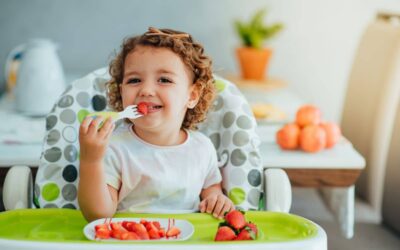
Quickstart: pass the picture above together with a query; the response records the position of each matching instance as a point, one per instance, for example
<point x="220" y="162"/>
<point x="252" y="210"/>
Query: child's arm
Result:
<point x="214" y="201"/>
<point x="96" y="199"/>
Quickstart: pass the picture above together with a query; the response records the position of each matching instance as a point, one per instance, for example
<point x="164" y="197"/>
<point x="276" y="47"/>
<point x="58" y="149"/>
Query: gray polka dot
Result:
<point x="70" y="153"/>
<point x="69" y="206"/>
<point x="50" y="205"/>
<point x="226" y="138"/>
<point x="51" y="171"/>
<point x="237" y="176"/>
<point x="51" y="121"/>
<point x="253" y="197"/>
<point x="216" y="140"/>
<point x="228" y="119"/>
<point x="255" y="159"/>
<point x="244" y="122"/>
<point x="70" y="173"/>
<point x="100" y="84"/>
<point x="69" y="134"/>
<point x="53" y="137"/>
<point x="52" y="154"/>
<point x="69" y="192"/>
<point x="238" y="158"/>
<point x="223" y="159"/>
<point x="240" y="138"/>
<point x="218" y="103"/>
<point x="83" y="99"/>
<point x="68" y="116"/>
<point x="65" y="101"/>
<point x="99" y="102"/>
<point x="254" y="177"/>
<point x="82" y="83"/>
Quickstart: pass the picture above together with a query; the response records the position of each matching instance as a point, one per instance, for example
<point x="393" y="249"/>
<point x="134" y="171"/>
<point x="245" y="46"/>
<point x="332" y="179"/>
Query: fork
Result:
<point x="130" y="112"/>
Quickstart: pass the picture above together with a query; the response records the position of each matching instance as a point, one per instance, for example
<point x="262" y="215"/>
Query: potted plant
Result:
<point x="253" y="57"/>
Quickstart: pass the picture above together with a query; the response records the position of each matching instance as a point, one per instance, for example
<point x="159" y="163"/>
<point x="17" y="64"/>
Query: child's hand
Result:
<point x="217" y="204"/>
<point x="93" y="141"/>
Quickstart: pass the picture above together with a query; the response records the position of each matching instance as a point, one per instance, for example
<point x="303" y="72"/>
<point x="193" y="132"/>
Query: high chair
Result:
<point x="231" y="127"/>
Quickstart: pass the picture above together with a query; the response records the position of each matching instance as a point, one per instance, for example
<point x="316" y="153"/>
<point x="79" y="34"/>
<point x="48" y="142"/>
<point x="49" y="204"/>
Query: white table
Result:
<point x="333" y="171"/>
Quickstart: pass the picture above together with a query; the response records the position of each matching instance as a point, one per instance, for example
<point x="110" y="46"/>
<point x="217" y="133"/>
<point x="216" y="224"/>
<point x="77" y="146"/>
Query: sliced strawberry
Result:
<point x="141" y="231"/>
<point x="157" y="224"/>
<point x="236" y="219"/>
<point x="225" y="233"/>
<point x="161" y="232"/>
<point x="142" y="107"/>
<point x="154" y="235"/>
<point x="173" y="231"/>
<point x="103" y="233"/>
<point x="132" y="236"/>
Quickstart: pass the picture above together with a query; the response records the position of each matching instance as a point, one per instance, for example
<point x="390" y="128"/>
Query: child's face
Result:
<point x="158" y="77"/>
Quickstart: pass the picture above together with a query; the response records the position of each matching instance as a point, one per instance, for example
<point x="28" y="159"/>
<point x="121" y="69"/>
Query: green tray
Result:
<point x="66" y="225"/>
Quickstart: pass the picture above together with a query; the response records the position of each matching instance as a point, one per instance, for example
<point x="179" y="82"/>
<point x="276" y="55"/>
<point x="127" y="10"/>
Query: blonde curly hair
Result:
<point x="192" y="55"/>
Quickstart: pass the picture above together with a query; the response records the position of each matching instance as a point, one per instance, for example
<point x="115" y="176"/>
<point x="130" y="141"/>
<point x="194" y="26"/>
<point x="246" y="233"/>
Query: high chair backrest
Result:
<point x="230" y="125"/>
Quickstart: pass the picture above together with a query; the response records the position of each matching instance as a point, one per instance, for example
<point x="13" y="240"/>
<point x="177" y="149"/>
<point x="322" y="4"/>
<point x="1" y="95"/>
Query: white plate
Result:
<point x="185" y="226"/>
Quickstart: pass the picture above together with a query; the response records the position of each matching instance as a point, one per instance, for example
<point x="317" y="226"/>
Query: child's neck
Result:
<point x="161" y="138"/>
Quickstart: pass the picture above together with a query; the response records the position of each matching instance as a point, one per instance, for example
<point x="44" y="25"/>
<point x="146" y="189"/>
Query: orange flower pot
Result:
<point x="253" y="62"/>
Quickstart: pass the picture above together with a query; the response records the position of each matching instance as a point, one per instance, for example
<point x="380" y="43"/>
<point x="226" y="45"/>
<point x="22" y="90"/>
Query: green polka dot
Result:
<point x="220" y="85"/>
<point x="82" y="114"/>
<point x="237" y="195"/>
<point x="50" y="192"/>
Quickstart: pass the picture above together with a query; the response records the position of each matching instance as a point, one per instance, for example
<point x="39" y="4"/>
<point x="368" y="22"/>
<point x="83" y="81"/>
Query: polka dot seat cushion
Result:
<point x="230" y="126"/>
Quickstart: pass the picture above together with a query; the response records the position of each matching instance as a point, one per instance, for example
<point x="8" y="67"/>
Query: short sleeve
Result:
<point x="112" y="169"/>
<point x="213" y="174"/>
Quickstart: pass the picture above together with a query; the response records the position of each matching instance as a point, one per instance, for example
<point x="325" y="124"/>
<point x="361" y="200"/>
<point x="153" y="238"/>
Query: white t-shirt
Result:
<point x="153" y="178"/>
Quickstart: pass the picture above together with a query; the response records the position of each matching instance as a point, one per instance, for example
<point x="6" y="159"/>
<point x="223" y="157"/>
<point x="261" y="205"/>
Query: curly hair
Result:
<point x="192" y="55"/>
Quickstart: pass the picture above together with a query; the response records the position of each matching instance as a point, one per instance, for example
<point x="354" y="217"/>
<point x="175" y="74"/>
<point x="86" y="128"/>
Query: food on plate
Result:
<point x="142" y="108"/>
<point x="267" y="111"/>
<point x="235" y="227"/>
<point x="312" y="138"/>
<point x="131" y="230"/>
<point x="308" y="132"/>
<point x="308" y="115"/>
<point x="333" y="133"/>
<point x="288" y="136"/>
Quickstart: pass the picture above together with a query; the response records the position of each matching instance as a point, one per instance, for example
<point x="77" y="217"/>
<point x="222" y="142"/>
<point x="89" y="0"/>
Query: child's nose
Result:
<point x="147" y="89"/>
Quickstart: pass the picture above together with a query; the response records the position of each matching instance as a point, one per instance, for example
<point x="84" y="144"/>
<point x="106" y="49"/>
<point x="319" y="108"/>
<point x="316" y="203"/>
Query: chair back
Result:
<point x="230" y="125"/>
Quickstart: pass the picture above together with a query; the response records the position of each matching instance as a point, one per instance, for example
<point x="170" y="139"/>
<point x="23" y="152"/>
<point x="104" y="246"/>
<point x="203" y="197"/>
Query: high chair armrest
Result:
<point x="278" y="191"/>
<point x="18" y="188"/>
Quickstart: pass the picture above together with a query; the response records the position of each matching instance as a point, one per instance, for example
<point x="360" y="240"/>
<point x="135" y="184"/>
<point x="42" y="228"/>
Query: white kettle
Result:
<point x="39" y="78"/>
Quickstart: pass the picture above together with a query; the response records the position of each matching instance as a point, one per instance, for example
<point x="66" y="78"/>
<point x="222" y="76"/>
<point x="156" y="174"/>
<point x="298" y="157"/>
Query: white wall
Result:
<point x="314" y="53"/>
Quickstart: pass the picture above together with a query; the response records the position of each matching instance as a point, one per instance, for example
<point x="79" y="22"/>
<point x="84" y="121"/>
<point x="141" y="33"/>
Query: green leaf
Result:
<point x="254" y="33"/>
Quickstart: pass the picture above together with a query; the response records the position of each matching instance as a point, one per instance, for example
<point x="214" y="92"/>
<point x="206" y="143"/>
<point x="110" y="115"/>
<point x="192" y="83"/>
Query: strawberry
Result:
<point x="236" y="219"/>
<point x="141" y="231"/>
<point x="161" y="232"/>
<point x="103" y="233"/>
<point x="142" y="107"/>
<point x="225" y="233"/>
<point x="246" y="234"/>
<point x="173" y="231"/>
<point x="132" y="236"/>
<point x="253" y="227"/>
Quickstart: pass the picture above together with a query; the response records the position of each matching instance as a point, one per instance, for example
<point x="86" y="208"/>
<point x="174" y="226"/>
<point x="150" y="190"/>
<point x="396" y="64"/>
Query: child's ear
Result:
<point x="194" y="96"/>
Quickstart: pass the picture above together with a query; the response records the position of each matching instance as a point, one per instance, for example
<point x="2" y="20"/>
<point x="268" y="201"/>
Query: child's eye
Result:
<point x="133" y="80"/>
<point x="164" y="80"/>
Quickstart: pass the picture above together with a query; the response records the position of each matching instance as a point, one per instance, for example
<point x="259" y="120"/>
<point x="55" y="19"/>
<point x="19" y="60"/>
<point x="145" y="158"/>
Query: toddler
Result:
<point x="157" y="163"/>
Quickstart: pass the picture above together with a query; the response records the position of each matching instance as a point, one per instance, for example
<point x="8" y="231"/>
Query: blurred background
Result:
<point x="313" y="53"/>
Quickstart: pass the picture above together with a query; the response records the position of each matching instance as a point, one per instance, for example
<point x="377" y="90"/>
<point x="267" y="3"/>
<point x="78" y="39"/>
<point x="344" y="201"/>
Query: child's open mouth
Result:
<point x="149" y="107"/>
